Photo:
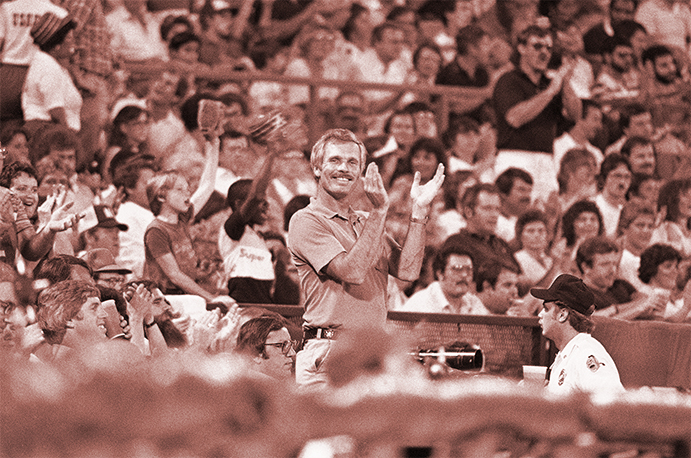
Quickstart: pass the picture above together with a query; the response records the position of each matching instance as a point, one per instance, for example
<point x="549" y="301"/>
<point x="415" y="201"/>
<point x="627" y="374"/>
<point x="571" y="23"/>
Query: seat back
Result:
<point x="647" y="353"/>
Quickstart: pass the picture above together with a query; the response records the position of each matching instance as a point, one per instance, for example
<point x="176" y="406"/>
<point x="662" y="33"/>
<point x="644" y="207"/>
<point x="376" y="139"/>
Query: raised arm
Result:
<point x="235" y="224"/>
<point x="570" y="100"/>
<point x="353" y="266"/>
<point x="37" y="246"/>
<point x="240" y="21"/>
<point x="407" y="266"/>
<point x="276" y="29"/>
<point x="261" y="182"/>
<point x="207" y="182"/>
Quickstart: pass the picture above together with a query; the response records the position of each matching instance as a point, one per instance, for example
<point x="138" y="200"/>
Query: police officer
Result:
<point x="582" y="363"/>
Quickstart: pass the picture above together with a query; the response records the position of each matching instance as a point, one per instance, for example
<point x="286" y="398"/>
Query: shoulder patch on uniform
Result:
<point x="593" y="364"/>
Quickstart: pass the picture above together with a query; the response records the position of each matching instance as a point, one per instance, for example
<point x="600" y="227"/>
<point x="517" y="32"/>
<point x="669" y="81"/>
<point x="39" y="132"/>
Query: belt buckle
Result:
<point x="325" y="333"/>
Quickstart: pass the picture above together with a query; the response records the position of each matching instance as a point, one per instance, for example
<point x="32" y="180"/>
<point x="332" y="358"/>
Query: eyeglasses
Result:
<point x="457" y="269"/>
<point x="113" y="281"/>
<point x="541" y="46"/>
<point x="285" y="346"/>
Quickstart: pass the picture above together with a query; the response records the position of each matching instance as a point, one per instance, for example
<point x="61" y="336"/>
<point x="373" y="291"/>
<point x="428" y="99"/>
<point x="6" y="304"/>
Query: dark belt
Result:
<point x="320" y="333"/>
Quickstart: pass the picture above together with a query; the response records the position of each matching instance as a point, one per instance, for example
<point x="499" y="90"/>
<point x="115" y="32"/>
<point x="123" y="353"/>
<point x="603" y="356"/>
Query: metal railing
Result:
<point x="221" y="73"/>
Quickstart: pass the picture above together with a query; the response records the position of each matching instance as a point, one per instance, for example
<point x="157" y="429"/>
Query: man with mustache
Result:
<point x="344" y="257"/>
<point x="452" y="292"/>
<point x="614" y="181"/>
<point x="529" y="106"/>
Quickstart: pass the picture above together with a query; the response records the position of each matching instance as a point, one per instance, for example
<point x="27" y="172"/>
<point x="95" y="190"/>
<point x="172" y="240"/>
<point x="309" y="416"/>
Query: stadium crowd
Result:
<point x="125" y="214"/>
<point x="157" y="171"/>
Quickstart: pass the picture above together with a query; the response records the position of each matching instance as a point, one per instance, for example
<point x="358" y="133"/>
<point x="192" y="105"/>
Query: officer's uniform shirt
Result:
<point x="583" y="365"/>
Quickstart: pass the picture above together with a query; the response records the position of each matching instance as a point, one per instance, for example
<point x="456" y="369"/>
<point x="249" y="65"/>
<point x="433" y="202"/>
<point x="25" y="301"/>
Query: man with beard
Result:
<point x="668" y="94"/>
<point x="529" y="107"/>
<point x="452" y="292"/>
<point x="344" y="257"/>
<point x="619" y="79"/>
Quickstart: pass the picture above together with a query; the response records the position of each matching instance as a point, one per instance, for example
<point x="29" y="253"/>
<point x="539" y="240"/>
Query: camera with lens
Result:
<point x="458" y="356"/>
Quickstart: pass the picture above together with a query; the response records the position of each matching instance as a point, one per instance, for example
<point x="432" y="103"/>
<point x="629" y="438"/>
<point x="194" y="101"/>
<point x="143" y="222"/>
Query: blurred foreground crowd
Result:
<point x="563" y="127"/>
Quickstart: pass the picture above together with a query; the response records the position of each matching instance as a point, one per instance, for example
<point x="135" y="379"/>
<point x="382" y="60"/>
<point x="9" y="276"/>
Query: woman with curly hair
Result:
<point x="674" y="202"/>
<point x="659" y="271"/>
<point x="581" y="221"/>
<point x="537" y="266"/>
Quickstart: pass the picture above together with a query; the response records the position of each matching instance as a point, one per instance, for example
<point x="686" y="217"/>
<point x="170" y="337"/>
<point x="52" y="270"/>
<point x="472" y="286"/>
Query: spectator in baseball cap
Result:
<point x="105" y="232"/>
<point x="106" y="270"/>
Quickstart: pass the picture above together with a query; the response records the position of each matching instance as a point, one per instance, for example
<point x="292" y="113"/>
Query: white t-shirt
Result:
<point x="628" y="269"/>
<point x="16" y="20"/>
<point x="49" y="85"/>
<point x="566" y="142"/>
<point x="246" y="258"/>
<point x="506" y="227"/>
<point x="133" y="41"/>
<point x="610" y="215"/>
<point x="132" y="251"/>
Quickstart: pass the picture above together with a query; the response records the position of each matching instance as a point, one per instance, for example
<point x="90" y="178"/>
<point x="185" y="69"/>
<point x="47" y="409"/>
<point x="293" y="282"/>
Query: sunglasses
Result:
<point x="285" y="346"/>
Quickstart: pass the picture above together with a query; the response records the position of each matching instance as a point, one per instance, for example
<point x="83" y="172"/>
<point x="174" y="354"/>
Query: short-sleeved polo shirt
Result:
<point x="538" y="134"/>
<point x="315" y="237"/>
